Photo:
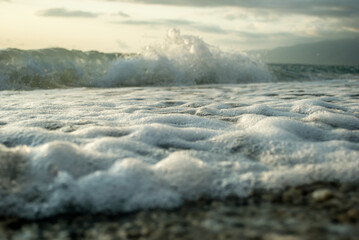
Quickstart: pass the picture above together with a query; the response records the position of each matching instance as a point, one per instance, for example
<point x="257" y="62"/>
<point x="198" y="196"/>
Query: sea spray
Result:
<point x="184" y="60"/>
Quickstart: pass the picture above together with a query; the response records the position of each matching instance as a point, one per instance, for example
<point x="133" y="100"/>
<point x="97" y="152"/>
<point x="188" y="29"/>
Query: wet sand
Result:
<point x="315" y="211"/>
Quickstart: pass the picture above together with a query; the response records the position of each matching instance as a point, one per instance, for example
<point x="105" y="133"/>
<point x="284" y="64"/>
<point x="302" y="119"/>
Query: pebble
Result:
<point x="212" y="225"/>
<point x="292" y="195"/>
<point x="26" y="233"/>
<point x="349" y="216"/>
<point x="341" y="229"/>
<point x="274" y="236"/>
<point x="322" y="195"/>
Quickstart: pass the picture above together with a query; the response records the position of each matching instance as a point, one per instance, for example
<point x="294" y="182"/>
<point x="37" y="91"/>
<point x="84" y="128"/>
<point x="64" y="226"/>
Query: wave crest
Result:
<point x="184" y="60"/>
<point x="179" y="60"/>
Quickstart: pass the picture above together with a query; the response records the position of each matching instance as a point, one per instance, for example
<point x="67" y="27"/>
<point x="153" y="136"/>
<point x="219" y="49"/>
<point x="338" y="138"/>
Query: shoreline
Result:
<point x="314" y="211"/>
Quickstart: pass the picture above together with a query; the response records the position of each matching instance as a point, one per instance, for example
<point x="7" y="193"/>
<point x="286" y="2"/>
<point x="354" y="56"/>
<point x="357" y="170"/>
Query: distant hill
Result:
<point x="334" y="52"/>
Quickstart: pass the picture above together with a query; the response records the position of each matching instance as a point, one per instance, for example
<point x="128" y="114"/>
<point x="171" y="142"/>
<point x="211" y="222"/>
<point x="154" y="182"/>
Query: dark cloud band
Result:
<point x="335" y="8"/>
<point x="175" y="23"/>
<point x="61" y="12"/>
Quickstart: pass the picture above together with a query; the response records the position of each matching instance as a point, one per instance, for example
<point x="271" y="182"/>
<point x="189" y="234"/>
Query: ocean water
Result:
<point x="108" y="133"/>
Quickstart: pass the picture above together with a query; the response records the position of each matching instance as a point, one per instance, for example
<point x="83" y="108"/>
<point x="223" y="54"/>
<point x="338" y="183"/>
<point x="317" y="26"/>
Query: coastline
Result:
<point x="314" y="211"/>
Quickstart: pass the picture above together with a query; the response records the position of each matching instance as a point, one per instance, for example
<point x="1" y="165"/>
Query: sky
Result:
<point x="130" y="25"/>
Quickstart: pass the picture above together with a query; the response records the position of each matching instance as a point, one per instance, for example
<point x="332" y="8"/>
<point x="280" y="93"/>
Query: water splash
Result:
<point x="184" y="60"/>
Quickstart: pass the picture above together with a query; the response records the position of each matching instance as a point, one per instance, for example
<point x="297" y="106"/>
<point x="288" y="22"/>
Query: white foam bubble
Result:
<point x="335" y="119"/>
<point x="311" y="106"/>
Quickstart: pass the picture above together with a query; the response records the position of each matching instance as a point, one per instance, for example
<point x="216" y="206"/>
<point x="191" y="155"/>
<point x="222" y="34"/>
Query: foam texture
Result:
<point x="124" y="149"/>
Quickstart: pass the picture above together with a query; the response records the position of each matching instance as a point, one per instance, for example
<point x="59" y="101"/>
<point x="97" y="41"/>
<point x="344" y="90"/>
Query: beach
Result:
<point x="183" y="141"/>
<point x="315" y="211"/>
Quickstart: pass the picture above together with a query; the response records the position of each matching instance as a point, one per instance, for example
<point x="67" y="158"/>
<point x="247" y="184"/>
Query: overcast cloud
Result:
<point x="316" y="19"/>
<point x="345" y="13"/>
<point x="229" y="24"/>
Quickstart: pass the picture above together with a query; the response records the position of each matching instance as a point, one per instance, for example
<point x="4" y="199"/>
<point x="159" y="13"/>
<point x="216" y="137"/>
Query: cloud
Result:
<point x="175" y="23"/>
<point x="264" y="36"/>
<point x="122" y="44"/>
<point x="137" y="22"/>
<point x="334" y="8"/>
<point x="61" y="12"/>
<point x="264" y="23"/>
<point x="253" y="16"/>
<point x="210" y="29"/>
<point x="122" y="14"/>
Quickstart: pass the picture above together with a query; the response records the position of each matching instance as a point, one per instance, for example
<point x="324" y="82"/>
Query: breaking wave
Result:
<point x="179" y="60"/>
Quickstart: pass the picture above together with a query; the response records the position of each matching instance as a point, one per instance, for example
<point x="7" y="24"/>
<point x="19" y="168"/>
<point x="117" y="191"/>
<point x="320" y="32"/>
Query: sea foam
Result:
<point x="125" y="149"/>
